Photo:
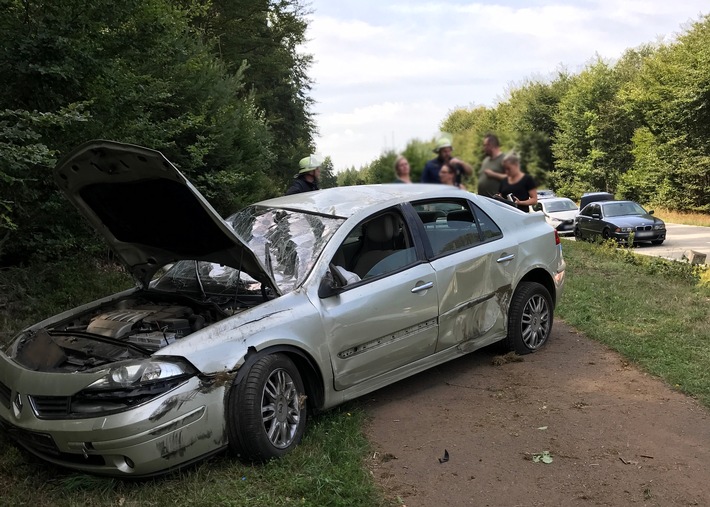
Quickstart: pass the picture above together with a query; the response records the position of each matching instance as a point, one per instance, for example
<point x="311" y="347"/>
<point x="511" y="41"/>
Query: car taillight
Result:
<point x="557" y="238"/>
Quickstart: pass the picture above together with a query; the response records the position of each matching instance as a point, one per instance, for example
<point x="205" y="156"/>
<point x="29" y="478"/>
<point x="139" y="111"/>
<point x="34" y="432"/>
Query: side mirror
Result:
<point x="650" y="212"/>
<point x="327" y="287"/>
<point x="537" y="207"/>
<point x="331" y="284"/>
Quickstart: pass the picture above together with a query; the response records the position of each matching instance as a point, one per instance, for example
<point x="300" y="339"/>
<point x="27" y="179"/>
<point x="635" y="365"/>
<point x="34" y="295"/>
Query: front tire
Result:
<point x="529" y="318"/>
<point x="578" y="234"/>
<point x="266" y="411"/>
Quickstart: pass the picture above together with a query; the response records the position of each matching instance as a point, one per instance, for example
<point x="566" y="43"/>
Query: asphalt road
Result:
<point x="679" y="239"/>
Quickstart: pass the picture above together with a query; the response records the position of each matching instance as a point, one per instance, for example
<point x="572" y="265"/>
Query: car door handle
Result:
<point x="506" y="258"/>
<point x="422" y="287"/>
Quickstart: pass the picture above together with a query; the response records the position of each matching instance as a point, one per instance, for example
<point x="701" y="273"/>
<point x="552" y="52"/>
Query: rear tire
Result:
<point x="529" y="318"/>
<point x="266" y="411"/>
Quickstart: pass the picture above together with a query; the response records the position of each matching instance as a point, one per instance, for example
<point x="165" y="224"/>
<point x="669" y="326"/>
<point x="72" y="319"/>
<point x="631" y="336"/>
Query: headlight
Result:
<point x="122" y="387"/>
<point x="135" y="373"/>
<point x="626" y="229"/>
<point x="659" y="227"/>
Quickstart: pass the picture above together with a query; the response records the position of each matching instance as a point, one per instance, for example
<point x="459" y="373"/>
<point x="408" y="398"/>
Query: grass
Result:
<point x="326" y="469"/>
<point x="653" y="311"/>
<point x="675" y="217"/>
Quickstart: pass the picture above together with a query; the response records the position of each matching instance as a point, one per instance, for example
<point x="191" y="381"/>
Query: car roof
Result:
<point x="347" y="201"/>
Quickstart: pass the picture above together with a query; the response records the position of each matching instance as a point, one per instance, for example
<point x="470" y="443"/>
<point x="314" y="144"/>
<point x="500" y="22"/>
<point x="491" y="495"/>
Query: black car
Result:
<point x="618" y="220"/>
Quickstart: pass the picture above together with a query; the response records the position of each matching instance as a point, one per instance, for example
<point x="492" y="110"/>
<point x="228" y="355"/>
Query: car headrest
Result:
<point x="381" y="229"/>
<point x="462" y="218"/>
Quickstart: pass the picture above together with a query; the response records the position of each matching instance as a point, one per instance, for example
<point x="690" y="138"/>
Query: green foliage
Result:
<point x="153" y="73"/>
<point x="381" y="170"/>
<point x="327" y="176"/>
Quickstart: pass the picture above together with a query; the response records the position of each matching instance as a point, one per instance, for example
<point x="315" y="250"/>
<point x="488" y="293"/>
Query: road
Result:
<point x="679" y="238"/>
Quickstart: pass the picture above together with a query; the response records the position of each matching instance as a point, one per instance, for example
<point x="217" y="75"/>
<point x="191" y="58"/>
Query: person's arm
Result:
<point x="532" y="192"/>
<point x="496" y="176"/>
<point x="467" y="169"/>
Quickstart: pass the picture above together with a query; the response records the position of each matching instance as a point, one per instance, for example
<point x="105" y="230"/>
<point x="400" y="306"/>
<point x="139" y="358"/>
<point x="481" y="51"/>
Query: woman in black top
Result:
<point x="518" y="185"/>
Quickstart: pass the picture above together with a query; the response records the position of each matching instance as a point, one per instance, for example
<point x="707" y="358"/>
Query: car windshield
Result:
<point x="618" y="209"/>
<point x="553" y="207"/>
<point x="286" y="242"/>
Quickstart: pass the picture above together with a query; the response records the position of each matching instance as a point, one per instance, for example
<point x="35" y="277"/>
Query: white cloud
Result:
<point x="386" y="73"/>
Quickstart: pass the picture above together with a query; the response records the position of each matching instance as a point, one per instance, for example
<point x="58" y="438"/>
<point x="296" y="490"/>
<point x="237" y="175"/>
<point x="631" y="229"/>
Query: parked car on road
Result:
<point x="559" y="212"/>
<point x="619" y="220"/>
<point x="291" y="306"/>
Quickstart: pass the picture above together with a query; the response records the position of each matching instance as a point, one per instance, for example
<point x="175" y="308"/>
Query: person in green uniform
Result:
<point x="491" y="172"/>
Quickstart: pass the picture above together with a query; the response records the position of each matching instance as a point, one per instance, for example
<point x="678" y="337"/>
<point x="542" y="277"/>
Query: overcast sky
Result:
<point x="387" y="72"/>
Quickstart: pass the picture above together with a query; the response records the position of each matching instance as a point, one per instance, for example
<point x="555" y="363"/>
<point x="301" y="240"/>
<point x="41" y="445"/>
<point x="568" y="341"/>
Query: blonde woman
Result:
<point x="519" y="186"/>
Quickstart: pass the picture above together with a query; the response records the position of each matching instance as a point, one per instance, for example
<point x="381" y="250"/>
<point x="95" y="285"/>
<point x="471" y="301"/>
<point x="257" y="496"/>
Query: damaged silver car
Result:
<point x="239" y="329"/>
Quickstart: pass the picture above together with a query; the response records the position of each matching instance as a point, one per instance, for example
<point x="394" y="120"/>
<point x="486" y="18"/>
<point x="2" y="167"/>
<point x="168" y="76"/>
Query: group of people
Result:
<point x="500" y="176"/>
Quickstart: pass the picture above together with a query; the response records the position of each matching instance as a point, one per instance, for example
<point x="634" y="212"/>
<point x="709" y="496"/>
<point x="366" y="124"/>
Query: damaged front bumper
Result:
<point x="169" y="431"/>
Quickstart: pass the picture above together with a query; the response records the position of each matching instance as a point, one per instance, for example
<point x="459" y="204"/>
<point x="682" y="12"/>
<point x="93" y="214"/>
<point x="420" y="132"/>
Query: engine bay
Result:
<point x="134" y="327"/>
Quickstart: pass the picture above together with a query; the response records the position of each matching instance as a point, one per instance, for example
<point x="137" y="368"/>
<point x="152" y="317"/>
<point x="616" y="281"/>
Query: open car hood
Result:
<point x="149" y="213"/>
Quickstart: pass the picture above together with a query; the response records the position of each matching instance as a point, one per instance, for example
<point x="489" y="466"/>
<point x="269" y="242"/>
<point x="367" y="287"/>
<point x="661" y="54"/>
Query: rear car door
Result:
<point x="474" y="265"/>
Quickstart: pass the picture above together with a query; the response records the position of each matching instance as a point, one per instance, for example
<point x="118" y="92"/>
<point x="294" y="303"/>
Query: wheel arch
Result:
<point x="306" y="365"/>
<point x="544" y="278"/>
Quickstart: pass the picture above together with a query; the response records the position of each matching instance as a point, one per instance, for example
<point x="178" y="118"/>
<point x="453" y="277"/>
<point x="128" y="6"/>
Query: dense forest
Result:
<point x="638" y="127"/>
<point x="222" y="89"/>
<point x="219" y="86"/>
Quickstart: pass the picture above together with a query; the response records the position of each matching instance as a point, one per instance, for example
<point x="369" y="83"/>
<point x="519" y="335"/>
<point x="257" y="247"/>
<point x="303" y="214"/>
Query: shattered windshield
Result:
<point x="287" y="243"/>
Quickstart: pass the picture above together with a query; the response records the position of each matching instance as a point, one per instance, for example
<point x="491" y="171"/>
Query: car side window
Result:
<point x="454" y="225"/>
<point x="377" y="246"/>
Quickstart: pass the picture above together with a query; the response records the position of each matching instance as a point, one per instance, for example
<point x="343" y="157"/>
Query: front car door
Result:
<point x="386" y="315"/>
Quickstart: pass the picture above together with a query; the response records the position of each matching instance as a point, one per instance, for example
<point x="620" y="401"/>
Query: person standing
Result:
<point x="443" y="151"/>
<point x="307" y="178"/>
<point x="491" y="173"/>
<point x="517" y="184"/>
<point x="402" y="170"/>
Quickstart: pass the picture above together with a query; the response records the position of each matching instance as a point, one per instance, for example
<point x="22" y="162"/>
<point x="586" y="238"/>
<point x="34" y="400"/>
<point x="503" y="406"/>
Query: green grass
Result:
<point x="652" y="311"/>
<point x="326" y="469"/>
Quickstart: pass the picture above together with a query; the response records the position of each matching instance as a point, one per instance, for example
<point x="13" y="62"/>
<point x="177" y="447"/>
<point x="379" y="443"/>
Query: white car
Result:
<point x="560" y="213"/>
<point x="291" y="306"/>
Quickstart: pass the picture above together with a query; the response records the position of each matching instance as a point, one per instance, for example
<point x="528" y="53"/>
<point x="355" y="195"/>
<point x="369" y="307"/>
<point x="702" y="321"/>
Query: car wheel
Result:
<point x="529" y="318"/>
<point x="657" y="242"/>
<point x="606" y="234"/>
<point x="578" y="234"/>
<point x="266" y="413"/>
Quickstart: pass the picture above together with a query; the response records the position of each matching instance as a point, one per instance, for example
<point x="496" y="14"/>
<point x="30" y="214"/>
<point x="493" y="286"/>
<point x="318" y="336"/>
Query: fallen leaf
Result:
<point x="542" y="428"/>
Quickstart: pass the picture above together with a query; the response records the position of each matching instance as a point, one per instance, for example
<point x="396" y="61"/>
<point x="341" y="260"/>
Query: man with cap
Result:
<point x="307" y="178"/>
<point x="443" y="150"/>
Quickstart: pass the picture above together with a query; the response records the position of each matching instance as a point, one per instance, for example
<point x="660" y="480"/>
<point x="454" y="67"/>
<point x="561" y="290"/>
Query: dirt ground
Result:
<point x="616" y="436"/>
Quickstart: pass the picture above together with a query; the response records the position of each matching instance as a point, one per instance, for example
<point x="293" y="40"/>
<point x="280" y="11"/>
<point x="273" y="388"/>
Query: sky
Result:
<point x="386" y="72"/>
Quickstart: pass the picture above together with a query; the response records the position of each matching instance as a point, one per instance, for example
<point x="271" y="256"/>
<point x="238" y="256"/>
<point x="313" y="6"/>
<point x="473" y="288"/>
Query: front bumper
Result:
<point x="172" y="430"/>
<point x="655" y="235"/>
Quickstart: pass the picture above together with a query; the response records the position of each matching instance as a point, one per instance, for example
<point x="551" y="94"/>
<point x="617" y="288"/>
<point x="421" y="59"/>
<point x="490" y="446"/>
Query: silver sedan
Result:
<point x="239" y="329"/>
